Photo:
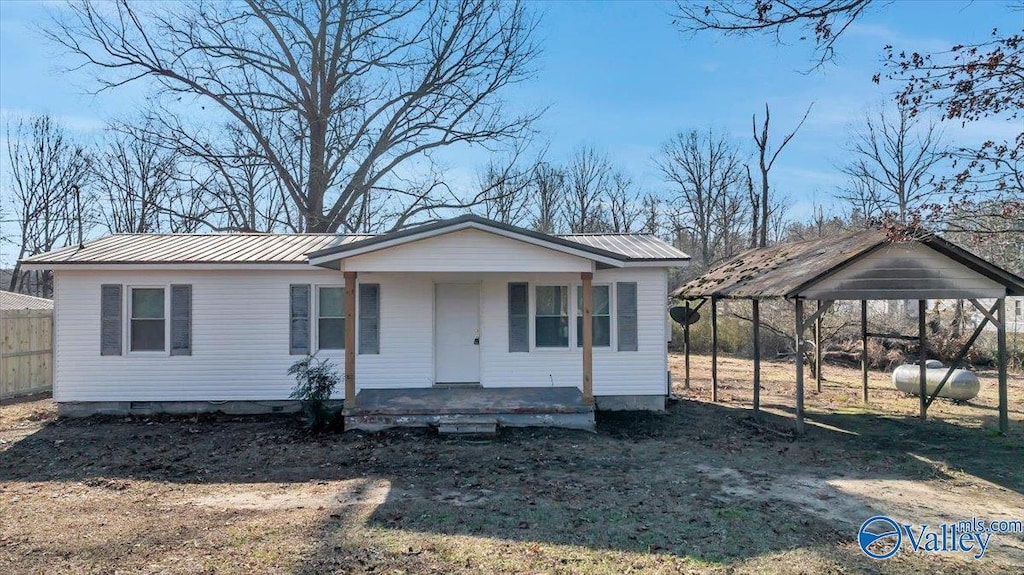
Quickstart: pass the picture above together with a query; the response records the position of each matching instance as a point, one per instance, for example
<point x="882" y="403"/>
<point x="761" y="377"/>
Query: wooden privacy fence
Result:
<point x="26" y="352"/>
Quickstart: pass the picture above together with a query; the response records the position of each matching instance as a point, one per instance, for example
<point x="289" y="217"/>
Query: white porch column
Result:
<point x="350" y="339"/>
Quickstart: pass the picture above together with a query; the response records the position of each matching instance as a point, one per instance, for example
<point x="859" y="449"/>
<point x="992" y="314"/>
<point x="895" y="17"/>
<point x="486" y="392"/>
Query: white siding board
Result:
<point x="904" y="271"/>
<point x="467" y="251"/>
<point x="240" y="337"/>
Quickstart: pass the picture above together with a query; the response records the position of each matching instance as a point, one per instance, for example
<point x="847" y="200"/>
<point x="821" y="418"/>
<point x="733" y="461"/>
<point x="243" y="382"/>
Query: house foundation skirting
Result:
<point x="630" y="402"/>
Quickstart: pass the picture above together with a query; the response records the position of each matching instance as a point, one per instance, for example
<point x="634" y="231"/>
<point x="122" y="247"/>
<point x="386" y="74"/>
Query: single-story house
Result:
<point x="205" y="322"/>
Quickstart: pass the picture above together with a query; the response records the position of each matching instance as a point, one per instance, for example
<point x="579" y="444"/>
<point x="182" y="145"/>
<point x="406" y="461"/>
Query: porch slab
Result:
<point x="378" y="409"/>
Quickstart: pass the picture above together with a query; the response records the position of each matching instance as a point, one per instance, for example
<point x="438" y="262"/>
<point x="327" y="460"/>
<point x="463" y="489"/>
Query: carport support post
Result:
<point x="922" y="341"/>
<point x="714" y="349"/>
<point x="350" y="339"/>
<point x="817" y="345"/>
<point x="864" y="347"/>
<point x="588" y="338"/>
<point x="756" y="313"/>
<point x="799" y="305"/>
<point x="686" y="348"/>
<point x="1004" y="418"/>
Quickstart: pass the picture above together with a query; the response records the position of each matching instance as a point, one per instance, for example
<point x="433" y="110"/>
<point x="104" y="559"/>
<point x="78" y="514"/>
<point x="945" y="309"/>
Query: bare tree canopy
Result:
<point x="763" y="204"/>
<point x="823" y="20"/>
<point x="46" y="174"/>
<point x="588" y="180"/>
<point x="336" y="96"/>
<point x="707" y="173"/>
<point x="893" y="165"/>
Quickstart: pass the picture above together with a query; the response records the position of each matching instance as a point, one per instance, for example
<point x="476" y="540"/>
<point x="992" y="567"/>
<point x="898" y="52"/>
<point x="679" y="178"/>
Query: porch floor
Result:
<point x="377" y="409"/>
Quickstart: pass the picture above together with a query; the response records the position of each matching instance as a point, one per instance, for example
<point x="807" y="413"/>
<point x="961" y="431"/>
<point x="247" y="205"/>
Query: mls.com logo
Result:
<point x="880" y="537"/>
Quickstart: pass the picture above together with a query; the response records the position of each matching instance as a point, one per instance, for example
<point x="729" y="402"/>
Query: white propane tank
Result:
<point x="961" y="385"/>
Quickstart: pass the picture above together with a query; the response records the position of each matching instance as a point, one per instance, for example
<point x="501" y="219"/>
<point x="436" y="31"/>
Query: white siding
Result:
<point x="240" y="337"/>
<point x="467" y="251"/>
<point x="905" y="272"/>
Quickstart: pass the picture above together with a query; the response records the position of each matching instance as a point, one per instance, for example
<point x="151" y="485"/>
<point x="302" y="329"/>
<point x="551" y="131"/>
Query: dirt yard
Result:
<point x="698" y="489"/>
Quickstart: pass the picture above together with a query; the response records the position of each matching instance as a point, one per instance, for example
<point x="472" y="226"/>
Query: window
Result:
<point x="331" y="318"/>
<point x="551" y="321"/>
<point x="601" y="314"/>
<point x="147" y="319"/>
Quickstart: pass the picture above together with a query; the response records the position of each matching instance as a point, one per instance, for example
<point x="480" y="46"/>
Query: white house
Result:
<point x="204" y="322"/>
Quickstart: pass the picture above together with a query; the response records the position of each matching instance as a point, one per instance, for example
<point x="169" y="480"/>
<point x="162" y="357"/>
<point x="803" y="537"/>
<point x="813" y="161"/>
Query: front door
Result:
<point x="457" y="333"/>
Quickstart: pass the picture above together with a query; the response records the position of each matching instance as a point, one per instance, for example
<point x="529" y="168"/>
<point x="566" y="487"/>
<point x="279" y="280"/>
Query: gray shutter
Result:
<point x="518" y="317"/>
<point x="369" y="319"/>
<point x="299" y="320"/>
<point x="110" y="319"/>
<point x="181" y="319"/>
<point x="625" y="300"/>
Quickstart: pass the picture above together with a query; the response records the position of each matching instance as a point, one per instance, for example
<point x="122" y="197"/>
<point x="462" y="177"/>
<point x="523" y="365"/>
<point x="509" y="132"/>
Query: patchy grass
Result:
<point x="696" y="489"/>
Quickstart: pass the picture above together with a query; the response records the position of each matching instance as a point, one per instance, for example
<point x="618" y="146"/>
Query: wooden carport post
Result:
<point x="350" y="339"/>
<point x="864" y="347"/>
<point x="1004" y="418"/>
<point x="922" y="340"/>
<point x="714" y="349"/>
<point x="756" y="313"/>
<point x="817" y="345"/>
<point x="588" y="337"/>
<point x="686" y="348"/>
<point x="799" y="313"/>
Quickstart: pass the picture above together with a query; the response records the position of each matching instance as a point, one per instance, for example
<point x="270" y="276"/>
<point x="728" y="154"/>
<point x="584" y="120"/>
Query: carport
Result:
<point x="863" y="266"/>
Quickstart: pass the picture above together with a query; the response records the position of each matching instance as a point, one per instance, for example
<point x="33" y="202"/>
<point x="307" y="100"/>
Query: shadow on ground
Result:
<point x="697" y="484"/>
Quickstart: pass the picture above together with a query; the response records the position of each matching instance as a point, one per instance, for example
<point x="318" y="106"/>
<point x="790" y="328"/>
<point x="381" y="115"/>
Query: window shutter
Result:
<point x="299" y="324"/>
<point x="181" y="319"/>
<point x="110" y="319"/>
<point x="369" y="318"/>
<point x="518" y="317"/>
<point x="625" y="299"/>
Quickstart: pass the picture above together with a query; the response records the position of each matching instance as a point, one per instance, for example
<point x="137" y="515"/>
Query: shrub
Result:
<point x="315" y="382"/>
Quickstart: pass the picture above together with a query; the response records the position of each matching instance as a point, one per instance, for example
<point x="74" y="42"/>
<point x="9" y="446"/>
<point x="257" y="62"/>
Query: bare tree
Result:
<point x="706" y="173"/>
<point x="824" y="21"/>
<point x="588" y="179"/>
<point x="894" y="157"/>
<point x="651" y="214"/>
<point x="764" y="206"/>
<point x="336" y="95"/>
<point x="47" y="176"/>
<point x="548" y="191"/>
<point x="624" y="208"/>
<point x="137" y="181"/>
<point x="506" y="193"/>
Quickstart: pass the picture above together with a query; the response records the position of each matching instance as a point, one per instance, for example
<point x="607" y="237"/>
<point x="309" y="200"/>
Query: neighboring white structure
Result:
<point x="218" y="318"/>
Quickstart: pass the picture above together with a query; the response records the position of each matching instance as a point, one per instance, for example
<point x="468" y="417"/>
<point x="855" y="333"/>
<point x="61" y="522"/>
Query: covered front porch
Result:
<point x="472" y="408"/>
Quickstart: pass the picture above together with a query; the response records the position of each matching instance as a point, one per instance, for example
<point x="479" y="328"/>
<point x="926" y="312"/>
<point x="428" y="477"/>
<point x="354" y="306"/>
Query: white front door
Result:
<point x="457" y="333"/>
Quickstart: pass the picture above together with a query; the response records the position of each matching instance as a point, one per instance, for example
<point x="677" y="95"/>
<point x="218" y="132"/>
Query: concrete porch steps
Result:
<point x="467" y="425"/>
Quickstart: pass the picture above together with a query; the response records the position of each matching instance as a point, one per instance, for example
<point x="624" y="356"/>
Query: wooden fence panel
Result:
<point x="26" y="352"/>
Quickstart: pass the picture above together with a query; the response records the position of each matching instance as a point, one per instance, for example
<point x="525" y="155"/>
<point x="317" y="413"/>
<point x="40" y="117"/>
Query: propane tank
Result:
<point x="961" y="385"/>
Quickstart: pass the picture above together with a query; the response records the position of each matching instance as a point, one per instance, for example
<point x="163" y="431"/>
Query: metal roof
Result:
<point x="194" y="248"/>
<point x="242" y="248"/>
<point x="782" y="270"/>
<point x="14" y="301"/>
<point x="633" y="246"/>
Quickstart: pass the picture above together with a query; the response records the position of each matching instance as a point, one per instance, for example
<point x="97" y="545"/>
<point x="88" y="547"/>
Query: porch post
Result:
<point x="817" y="345"/>
<point x="714" y="349"/>
<point x="686" y="348"/>
<point x="350" y="339"/>
<point x="1004" y="418"/>
<point x="756" y="309"/>
<point x="588" y="338"/>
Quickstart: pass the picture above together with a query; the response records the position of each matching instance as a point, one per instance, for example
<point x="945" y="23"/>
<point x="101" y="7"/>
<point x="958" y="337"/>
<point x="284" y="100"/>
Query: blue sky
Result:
<point x="618" y="76"/>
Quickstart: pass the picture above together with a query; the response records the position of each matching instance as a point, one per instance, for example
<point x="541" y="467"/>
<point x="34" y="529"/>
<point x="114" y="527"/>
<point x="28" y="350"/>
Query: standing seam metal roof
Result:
<point x="16" y="301"/>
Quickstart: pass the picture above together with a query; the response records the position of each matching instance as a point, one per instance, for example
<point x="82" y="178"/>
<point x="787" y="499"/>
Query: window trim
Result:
<point x="611" y="314"/>
<point x="315" y="312"/>
<point x="570" y="319"/>
<point x="127" y="340"/>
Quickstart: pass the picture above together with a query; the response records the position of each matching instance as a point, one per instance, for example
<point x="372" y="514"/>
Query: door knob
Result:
<point x="476" y="340"/>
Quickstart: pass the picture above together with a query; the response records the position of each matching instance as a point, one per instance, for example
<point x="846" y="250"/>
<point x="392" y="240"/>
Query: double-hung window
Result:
<point x="147" y="320"/>
<point x="551" y="322"/>
<point x="601" y="314"/>
<point x="331" y="318"/>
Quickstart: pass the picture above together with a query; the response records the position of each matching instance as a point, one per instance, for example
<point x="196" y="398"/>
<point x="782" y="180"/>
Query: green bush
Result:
<point x="315" y="383"/>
